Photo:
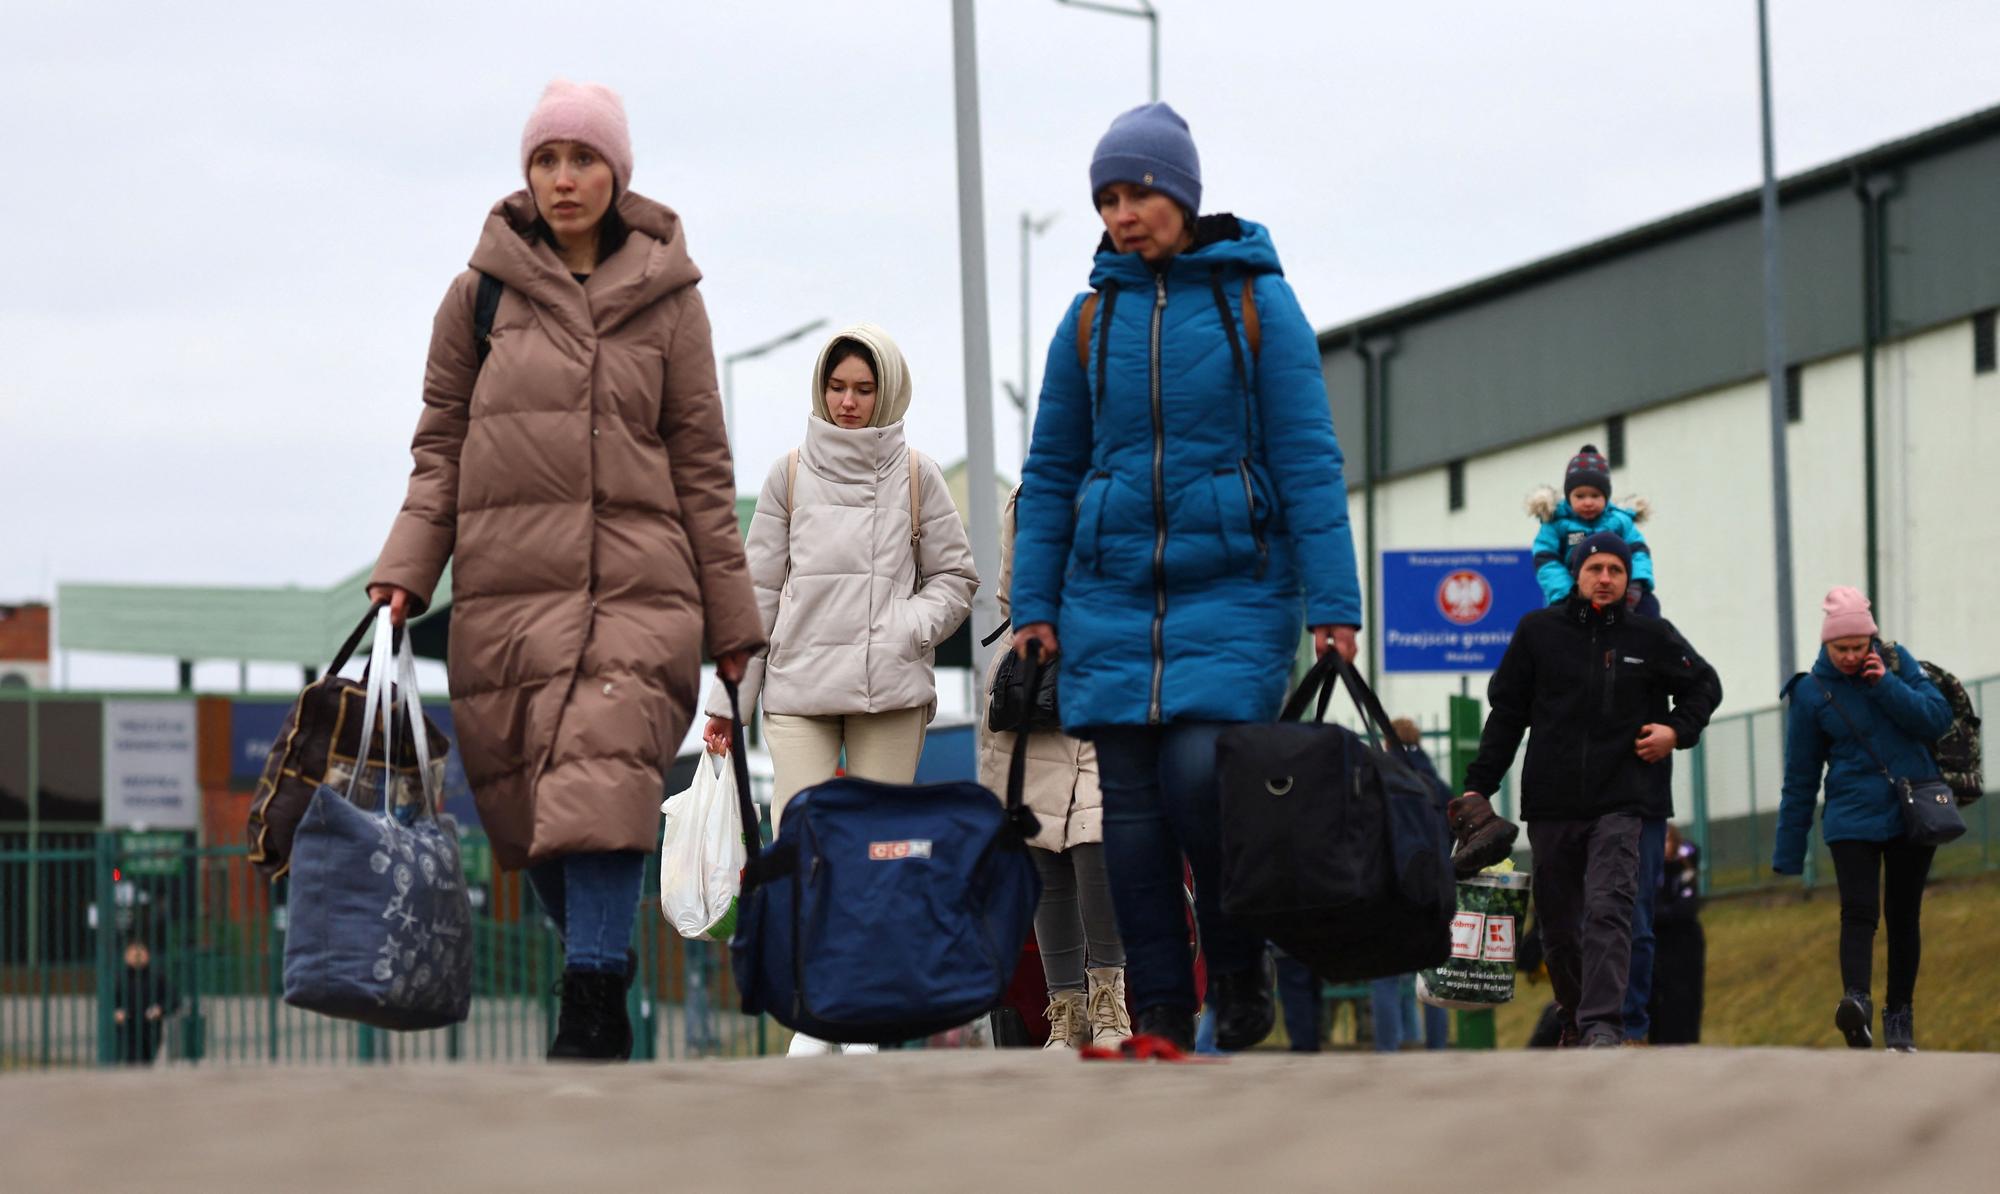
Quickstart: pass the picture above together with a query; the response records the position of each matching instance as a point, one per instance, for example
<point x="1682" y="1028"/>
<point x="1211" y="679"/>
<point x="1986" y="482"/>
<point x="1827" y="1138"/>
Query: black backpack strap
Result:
<point x="746" y="808"/>
<point x="1020" y="818"/>
<point x="1853" y="729"/>
<point x="485" y="305"/>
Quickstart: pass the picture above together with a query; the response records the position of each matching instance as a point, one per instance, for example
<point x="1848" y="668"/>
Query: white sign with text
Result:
<point x="149" y="765"/>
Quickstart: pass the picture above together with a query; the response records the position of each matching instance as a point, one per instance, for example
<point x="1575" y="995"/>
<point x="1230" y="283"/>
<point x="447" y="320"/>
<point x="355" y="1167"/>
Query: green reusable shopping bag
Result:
<point x="1480" y="971"/>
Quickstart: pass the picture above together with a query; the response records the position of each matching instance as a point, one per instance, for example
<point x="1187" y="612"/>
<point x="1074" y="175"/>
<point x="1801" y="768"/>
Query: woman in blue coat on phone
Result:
<point x="1182" y="521"/>
<point x="1864" y="709"/>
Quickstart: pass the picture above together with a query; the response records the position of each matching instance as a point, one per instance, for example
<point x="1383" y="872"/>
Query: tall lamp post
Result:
<point x="1774" y="367"/>
<point x="1146" y="12"/>
<point x="1030" y="228"/>
<point x="983" y="513"/>
<point x="729" y="366"/>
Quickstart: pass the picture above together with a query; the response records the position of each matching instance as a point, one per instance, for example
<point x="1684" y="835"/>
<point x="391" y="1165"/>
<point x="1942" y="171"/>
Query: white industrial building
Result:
<point x="1650" y="345"/>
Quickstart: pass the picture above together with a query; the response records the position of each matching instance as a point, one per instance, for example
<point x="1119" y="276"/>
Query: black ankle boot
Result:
<point x="1174" y="1023"/>
<point x="1855" y="1018"/>
<point x="593" y="1025"/>
<point x="1242" y="1006"/>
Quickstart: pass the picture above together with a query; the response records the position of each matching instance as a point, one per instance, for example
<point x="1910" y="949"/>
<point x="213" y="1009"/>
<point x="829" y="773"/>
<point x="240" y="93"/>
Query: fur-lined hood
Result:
<point x="1547" y="505"/>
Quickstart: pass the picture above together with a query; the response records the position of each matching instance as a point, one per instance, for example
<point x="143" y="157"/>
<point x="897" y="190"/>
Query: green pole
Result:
<point x="34" y="901"/>
<point x="1750" y="757"/>
<point x="107" y="961"/>
<point x="1699" y="762"/>
<point x="1465" y="728"/>
<point x="1475" y="1029"/>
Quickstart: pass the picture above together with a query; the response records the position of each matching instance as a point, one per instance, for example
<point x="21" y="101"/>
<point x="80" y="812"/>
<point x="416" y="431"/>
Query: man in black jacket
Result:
<point x="1609" y="694"/>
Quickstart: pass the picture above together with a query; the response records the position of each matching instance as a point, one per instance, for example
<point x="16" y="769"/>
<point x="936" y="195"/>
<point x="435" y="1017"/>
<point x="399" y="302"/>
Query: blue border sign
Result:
<point x="1453" y="609"/>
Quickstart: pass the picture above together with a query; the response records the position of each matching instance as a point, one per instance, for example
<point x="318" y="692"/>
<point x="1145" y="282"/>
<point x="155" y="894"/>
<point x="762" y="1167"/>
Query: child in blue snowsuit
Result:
<point x="1585" y="510"/>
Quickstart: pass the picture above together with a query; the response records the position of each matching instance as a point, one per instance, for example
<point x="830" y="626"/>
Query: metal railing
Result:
<point x="73" y="902"/>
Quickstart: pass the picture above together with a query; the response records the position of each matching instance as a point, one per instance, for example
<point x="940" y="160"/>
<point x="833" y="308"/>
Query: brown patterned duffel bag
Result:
<point x="318" y="744"/>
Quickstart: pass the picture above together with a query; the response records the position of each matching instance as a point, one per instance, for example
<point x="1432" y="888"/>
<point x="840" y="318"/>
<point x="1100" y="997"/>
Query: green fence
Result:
<point x="72" y="903"/>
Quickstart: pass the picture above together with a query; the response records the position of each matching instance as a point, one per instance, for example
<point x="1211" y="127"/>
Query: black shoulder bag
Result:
<point x="1930" y="811"/>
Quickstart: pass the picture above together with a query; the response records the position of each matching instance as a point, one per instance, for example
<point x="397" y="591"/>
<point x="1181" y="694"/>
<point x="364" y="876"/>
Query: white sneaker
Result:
<point x="809" y="1046"/>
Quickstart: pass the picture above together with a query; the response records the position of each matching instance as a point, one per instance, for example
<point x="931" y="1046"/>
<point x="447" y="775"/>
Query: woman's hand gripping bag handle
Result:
<point x="746" y="808"/>
<point x="1021" y="819"/>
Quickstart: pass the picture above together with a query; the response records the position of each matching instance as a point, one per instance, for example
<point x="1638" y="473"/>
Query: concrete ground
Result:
<point x="1769" y="1121"/>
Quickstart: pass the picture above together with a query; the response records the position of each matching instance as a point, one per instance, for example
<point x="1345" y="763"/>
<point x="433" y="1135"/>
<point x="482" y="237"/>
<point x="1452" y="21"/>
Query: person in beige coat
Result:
<point x="1075" y="928"/>
<point x="575" y="471"/>
<point x="862" y="568"/>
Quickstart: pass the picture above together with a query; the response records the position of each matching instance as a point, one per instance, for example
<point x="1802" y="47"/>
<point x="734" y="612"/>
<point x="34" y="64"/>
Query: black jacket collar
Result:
<point x="1582" y="612"/>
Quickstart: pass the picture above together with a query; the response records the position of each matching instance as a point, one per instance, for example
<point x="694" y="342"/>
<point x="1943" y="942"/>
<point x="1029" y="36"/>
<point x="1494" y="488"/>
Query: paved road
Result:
<point x="1769" y="1121"/>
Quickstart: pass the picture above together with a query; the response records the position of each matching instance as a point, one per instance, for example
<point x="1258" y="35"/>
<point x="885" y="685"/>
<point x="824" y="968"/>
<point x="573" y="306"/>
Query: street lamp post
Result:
<point x="729" y="366"/>
<point x="983" y="514"/>
<point x="1023" y="397"/>
<point x="1145" y="12"/>
<point x="1774" y="368"/>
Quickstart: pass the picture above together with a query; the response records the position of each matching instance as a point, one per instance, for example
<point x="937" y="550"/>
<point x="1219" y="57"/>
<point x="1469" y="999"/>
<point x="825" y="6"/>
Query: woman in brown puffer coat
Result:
<point x="1076" y="931"/>
<point x="576" y="472"/>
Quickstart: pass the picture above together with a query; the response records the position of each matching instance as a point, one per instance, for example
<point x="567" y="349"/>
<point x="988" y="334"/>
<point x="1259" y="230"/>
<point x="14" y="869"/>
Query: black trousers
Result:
<point x="1586" y="879"/>
<point x="1881" y="880"/>
<point x="1680" y="973"/>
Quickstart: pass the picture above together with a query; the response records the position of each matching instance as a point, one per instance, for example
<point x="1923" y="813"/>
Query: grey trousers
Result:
<point x="1586" y="878"/>
<point x="1075" y="912"/>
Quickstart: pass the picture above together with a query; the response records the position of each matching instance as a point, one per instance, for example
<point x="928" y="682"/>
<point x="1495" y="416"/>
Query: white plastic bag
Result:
<point x="702" y="854"/>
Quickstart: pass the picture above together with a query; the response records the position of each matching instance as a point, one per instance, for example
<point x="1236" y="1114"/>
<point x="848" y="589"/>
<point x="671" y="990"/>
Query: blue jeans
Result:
<point x="594" y="900"/>
<point x="1400" y="1017"/>
<point x="1162" y="806"/>
<point x="1639" y="986"/>
<point x="1299" y="999"/>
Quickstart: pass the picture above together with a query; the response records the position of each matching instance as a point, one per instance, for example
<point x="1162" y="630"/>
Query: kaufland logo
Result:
<point x="1464" y="597"/>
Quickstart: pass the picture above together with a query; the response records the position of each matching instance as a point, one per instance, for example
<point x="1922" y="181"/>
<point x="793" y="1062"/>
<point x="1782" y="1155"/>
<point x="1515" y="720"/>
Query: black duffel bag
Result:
<point x="1333" y="847"/>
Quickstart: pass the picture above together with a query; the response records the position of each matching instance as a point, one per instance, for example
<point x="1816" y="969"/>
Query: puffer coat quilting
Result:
<point x="580" y="483"/>
<point x="1183" y="517"/>
<point x="837" y="575"/>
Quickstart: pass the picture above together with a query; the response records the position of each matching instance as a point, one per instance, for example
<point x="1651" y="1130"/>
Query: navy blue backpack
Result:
<point x="884" y="912"/>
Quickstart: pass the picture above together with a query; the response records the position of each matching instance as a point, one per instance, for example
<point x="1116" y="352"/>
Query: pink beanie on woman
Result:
<point x="1847" y="615"/>
<point x="588" y="113"/>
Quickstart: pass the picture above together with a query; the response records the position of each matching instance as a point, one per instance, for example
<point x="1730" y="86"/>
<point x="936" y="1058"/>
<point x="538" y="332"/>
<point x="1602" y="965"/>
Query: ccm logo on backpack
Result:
<point x="892" y="851"/>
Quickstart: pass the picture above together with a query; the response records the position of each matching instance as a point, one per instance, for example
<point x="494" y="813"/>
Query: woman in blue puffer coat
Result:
<point x="1865" y="708"/>
<point x="1182" y="520"/>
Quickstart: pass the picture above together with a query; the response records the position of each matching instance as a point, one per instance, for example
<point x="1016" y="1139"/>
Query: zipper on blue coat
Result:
<point x="1154" y="713"/>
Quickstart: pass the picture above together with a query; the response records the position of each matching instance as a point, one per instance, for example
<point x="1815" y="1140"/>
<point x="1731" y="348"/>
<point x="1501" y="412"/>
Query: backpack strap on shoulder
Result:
<point x="1085" y="317"/>
<point x="916" y="516"/>
<point x="1253" y="327"/>
<point x="485" y="305"/>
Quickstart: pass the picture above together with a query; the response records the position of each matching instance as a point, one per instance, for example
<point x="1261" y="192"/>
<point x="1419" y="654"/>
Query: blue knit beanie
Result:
<point x="1151" y="146"/>
<point x="1603" y="543"/>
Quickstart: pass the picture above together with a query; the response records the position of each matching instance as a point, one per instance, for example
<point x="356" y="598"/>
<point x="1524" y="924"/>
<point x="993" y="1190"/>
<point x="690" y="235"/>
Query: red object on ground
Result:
<point x="1146" y="1048"/>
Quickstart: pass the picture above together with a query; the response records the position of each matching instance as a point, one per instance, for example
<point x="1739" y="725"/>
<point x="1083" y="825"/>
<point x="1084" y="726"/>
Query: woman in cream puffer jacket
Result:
<point x="1083" y="960"/>
<point x="860" y="573"/>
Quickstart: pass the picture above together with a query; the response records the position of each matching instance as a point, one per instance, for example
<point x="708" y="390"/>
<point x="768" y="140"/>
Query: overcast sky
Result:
<point x="234" y="222"/>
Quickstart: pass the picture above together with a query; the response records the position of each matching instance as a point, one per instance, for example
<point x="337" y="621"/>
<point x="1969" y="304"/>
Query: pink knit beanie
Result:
<point x="590" y="113"/>
<point x="1847" y="615"/>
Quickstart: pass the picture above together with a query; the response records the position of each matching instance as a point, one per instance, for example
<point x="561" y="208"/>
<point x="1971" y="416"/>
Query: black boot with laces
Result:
<point x="593" y="1025"/>
<point x="1899" y="1029"/>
